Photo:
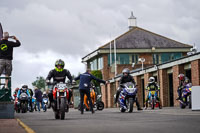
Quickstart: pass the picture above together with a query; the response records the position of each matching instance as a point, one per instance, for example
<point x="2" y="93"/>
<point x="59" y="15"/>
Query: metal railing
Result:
<point x="5" y="94"/>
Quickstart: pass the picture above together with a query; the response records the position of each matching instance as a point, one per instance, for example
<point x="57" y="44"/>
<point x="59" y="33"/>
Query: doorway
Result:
<point x="188" y="73"/>
<point x="143" y="92"/>
<point x="171" y="90"/>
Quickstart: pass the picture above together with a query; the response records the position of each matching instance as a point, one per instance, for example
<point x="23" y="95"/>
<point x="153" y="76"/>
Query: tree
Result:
<point x="98" y="74"/>
<point x="39" y="83"/>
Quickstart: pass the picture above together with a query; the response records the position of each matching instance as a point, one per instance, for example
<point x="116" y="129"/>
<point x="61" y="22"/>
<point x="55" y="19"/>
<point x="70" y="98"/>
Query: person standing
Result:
<point x="6" y="55"/>
<point x="84" y="87"/>
<point x="38" y="96"/>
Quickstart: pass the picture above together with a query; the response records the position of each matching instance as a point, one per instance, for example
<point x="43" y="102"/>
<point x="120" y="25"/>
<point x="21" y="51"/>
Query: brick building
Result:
<point x="167" y="76"/>
<point x="135" y="45"/>
<point x="130" y="47"/>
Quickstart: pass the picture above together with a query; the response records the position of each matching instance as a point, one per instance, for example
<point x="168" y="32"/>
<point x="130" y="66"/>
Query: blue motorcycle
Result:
<point x="153" y="99"/>
<point x="45" y="103"/>
<point x="127" y="97"/>
<point x="186" y="99"/>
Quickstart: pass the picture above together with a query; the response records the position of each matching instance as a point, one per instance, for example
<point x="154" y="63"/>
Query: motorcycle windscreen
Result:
<point x="1" y="31"/>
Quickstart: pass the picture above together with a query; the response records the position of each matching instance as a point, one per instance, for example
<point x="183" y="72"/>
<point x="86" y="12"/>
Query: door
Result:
<point x="143" y="91"/>
<point x="171" y="92"/>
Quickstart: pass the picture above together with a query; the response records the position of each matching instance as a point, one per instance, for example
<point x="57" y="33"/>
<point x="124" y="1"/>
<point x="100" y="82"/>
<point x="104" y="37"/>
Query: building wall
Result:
<point x="164" y="90"/>
<point x="195" y="67"/>
<point x="163" y="81"/>
<point x="148" y="58"/>
<point x="176" y="71"/>
<point x="108" y="71"/>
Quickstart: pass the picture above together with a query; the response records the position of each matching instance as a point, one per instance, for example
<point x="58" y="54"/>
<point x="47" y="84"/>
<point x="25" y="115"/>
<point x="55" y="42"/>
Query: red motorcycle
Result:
<point x="60" y="103"/>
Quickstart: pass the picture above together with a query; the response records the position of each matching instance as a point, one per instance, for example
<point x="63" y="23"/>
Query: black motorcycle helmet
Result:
<point x="61" y="63"/>
<point x="126" y="71"/>
<point x="187" y="80"/>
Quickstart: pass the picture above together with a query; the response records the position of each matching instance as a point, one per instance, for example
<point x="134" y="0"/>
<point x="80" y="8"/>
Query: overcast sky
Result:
<point x="66" y="29"/>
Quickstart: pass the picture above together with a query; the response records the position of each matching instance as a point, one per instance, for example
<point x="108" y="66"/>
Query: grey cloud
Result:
<point x="75" y="28"/>
<point x="79" y="27"/>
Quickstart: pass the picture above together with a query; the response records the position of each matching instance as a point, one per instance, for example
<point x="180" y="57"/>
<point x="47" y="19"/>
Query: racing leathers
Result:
<point x="152" y="87"/>
<point x="125" y="79"/>
<point x="59" y="77"/>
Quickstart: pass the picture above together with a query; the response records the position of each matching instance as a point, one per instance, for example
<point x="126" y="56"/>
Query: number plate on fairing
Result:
<point x="153" y="92"/>
<point x="61" y="86"/>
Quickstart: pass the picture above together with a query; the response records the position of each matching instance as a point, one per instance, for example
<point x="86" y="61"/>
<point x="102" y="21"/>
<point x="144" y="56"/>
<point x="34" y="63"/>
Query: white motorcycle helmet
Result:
<point x="151" y="80"/>
<point x="24" y="87"/>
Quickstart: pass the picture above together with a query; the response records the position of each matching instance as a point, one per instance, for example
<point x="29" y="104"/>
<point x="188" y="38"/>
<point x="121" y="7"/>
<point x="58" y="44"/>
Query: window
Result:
<point x="93" y="64"/>
<point x="96" y="64"/>
<point x="113" y="59"/>
<point x="155" y="58"/>
<point x="100" y="63"/>
<point x="170" y="56"/>
<point x="134" y="58"/>
<point x="121" y="59"/>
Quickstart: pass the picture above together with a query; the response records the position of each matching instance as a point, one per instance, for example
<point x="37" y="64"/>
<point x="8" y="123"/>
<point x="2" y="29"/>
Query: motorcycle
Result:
<point x="45" y="103"/>
<point x="23" y="102"/>
<point x="186" y="97"/>
<point x="99" y="103"/>
<point x="17" y="105"/>
<point x="127" y="97"/>
<point x="34" y="105"/>
<point x="153" y="99"/>
<point x="60" y="103"/>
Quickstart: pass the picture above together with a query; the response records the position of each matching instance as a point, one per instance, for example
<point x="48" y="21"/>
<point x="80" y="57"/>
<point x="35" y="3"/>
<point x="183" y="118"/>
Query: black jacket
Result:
<point x="59" y="76"/>
<point x="6" y="49"/>
<point x="125" y="79"/>
<point x="85" y="80"/>
<point x="38" y="95"/>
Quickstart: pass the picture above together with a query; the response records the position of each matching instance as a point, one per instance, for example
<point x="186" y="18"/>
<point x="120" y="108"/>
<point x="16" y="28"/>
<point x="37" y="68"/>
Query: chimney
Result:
<point x="132" y="21"/>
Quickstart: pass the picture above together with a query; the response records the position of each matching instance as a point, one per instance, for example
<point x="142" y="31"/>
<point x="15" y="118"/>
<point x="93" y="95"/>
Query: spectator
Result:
<point x="38" y="96"/>
<point x="6" y="55"/>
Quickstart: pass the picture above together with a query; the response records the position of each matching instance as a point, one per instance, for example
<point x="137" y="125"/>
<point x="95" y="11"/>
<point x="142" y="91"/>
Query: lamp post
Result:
<point x="142" y="60"/>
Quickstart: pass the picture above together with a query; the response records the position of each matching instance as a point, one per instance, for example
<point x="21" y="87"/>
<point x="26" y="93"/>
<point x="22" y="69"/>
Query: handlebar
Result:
<point x="54" y="83"/>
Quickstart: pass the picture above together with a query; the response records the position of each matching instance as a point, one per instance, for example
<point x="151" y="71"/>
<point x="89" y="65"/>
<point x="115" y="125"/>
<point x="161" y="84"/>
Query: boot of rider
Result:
<point x="146" y="105"/>
<point x="50" y="95"/>
<point x="137" y="104"/>
<point x="117" y="95"/>
<point x="160" y="104"/>
<point x="179" y="94"/>
<point x="70" y="96"/>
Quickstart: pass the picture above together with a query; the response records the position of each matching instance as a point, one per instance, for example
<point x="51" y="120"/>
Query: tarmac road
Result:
<point x="166" y="120"/>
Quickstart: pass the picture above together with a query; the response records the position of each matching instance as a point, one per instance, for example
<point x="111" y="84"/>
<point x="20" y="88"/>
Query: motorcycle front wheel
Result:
<point x="130" y="103"/>
<point x="62" y="108"/>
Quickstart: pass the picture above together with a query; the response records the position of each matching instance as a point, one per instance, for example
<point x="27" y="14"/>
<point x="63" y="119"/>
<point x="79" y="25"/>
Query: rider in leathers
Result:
<point x="59" y="74"/>
<point x="124" y="79"/>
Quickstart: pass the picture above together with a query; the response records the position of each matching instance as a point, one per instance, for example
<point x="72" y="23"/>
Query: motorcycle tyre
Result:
<point x="130" y="105"/>
<point x="100" y="105"/>
<point x="62" y="108"/>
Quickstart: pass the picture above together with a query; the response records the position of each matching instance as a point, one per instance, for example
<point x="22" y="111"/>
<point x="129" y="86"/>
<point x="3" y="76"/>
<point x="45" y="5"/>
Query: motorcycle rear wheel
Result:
<point x="100" y="105"/>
